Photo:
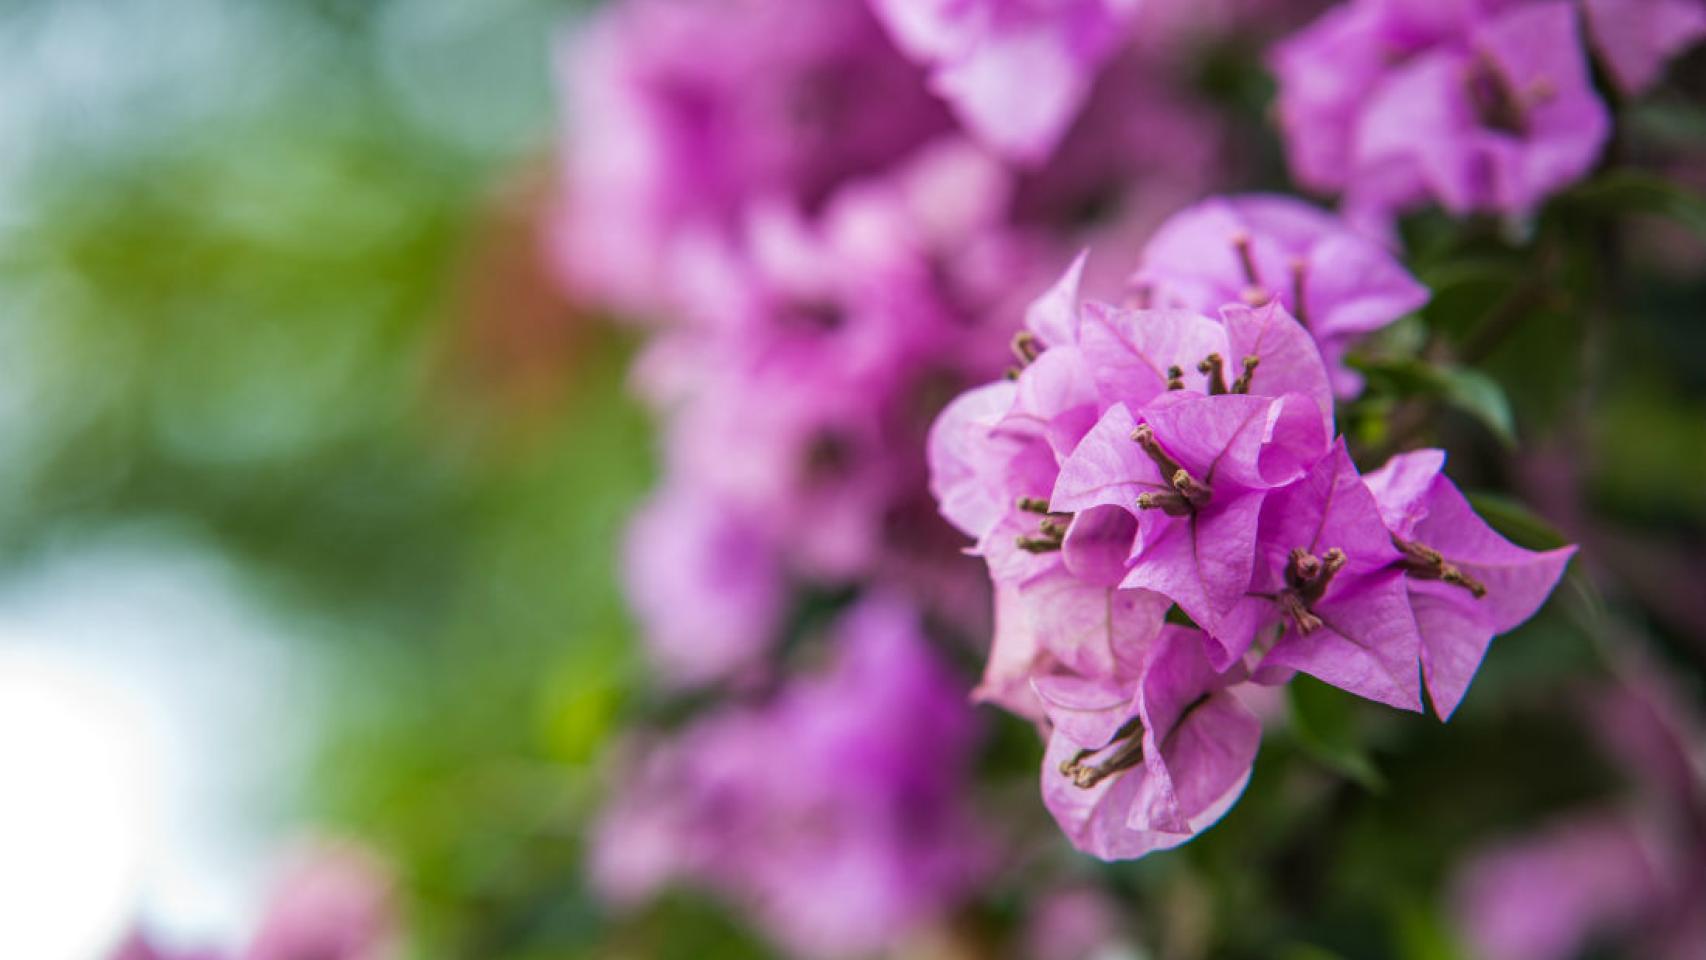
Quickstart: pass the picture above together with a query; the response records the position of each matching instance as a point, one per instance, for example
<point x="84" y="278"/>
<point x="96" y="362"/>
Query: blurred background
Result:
<point x="310" y="483"/>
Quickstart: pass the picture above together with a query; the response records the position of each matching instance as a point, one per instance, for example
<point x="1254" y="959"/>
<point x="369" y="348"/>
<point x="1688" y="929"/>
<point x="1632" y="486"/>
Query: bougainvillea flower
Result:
<point x="678" y="115"/>
<point x="332" y="901"/>
<point x="1016" y="72"/>
<point x="1466" y="583"/>
<point x="705" y="583"/>
<point x="1145" y="759"/>
<point x="1495" y="124"/>
<point x="1637" y="38"/>
<point x="1327" y="578"/>
<point x="1325" y="73"/>
<point x="1262" y="248"/>
<point x="1482" y="108"/>
<point x="1195" y="471"/>
<point x="1547" y="896"/>
<point x="860" y="837"/>
<point x="1627" y="876"/>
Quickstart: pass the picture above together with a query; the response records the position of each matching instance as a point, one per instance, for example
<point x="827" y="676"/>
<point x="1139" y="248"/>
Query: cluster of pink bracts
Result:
<point x="1148" y="458"/>
<point x="833" y="213"/>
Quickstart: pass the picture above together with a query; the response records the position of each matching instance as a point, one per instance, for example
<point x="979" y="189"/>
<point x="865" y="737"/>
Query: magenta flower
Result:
<point x="679" y="115"/>
<point x="1399" y="103"/>
<point x="1466" y="583"/>
<point x="1630" y="875"/>
<point x="705" y="583"/>
<point x="1196" y="472"/>
<point x="1637" y="38"/>
<point x="1497" y="124"/>
<point x="824" y="813"/>
<point x="1328" y="578"/>
<point x="1544" y="897"/>
<point x="1260" y="248"/>
<point x="1148" y="757"/>
<point x="332" y="901"/>
<point x="1016" y="71"/>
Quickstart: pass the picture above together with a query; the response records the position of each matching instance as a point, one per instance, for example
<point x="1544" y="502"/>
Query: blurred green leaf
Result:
<point x="1482" y="397"/>
<point x="1325" y="722"/>
<point x="1639" y="191"/>
<point x="1423" y="934"/>
<point x="1462" y="388"/>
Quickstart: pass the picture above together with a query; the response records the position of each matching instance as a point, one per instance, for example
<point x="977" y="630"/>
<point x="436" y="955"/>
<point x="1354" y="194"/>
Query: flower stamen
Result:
<point x="1307" y="577"/>
<point x="1425" y="563"/>
<point x="1213" y="367"/>
<point x="1242" y="384"/>
<point x="1188" y="492"/>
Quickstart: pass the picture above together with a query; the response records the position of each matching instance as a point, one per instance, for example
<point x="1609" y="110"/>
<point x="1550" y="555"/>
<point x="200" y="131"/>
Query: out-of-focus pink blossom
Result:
<point x="1543" y="897"/>
<point x="1078" y="923"/>
<point x="1631" y="875"/>
<point x="680" y="114"/>
<point x="835" y="812"/>
<point x="332" y="901"/>
<point x="1016" y="71"/>
<point x="797" y="392"/>
<point x="1637" y="38"/>
<point x="703" y="579"/>
<point x="1484" y="108"/>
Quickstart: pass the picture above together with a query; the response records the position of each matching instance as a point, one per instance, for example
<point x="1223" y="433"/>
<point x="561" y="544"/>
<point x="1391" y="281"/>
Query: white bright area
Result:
<point x="150" y="723"/>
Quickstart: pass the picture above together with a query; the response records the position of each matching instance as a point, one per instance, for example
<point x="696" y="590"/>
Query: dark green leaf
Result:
<point x="1324" y="721"/>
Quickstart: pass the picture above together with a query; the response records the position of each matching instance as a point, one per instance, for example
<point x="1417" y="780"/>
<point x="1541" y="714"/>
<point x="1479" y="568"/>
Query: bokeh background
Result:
<point x="311" y="483"/>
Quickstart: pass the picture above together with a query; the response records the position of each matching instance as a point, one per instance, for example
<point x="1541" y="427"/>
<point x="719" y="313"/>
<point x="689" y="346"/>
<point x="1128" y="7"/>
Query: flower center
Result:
<point x="1051" y="529"/>
<point x="1307" y="577"/>
<point x="1126" y="752"/>
<point x="1187" y="493"/>
<point x="1498" y="105"/>
<point x="1214" y="368"/>
<point x="1026" y="349"/>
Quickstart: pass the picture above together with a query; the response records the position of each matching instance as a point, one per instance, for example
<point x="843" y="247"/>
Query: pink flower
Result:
<point x="1483" y="111"/>
<point x="1196" y="472"/>
<point x="1637" y="38"/>
<point x="1259" y="248"/>
<point x="1016" y="71"/>
<point x="1148" y="757"/>
<point x="678" y="115"/>
<point x="1466" y="583"/>
<point x="834" y="814"/>
<point x="1631" y="875"/>
<point x="332" y="901"/>
<point x="1328" y="578"/>
<point x="704" y="581"/>
<point x="1544" y="896"/>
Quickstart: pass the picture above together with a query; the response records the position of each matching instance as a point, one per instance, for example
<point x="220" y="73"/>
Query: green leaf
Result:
<point x="1482" y="397"/>
<point x="1463" y="388"/>
<point x="1636" y="191"/>
<point x="1324" y="720"/>
<point x="1422" y="934"/>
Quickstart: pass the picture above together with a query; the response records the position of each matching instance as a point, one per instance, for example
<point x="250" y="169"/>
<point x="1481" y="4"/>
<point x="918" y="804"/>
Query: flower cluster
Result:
<point x="1484" y="107"/>
<point x="796" y="395"/>
<point x="1151" y="457"/>
<point x="1016" y="72"/>
<point x="824" y="810"/>
<point x="777" y="182"/>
